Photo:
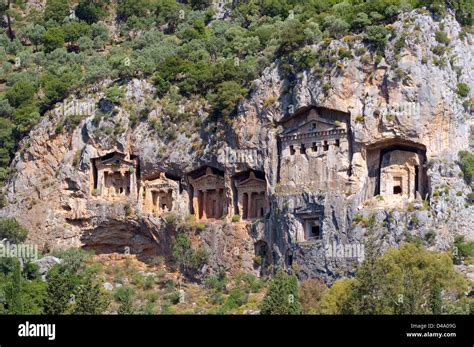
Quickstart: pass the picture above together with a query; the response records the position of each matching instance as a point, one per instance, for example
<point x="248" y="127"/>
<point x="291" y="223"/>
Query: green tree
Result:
<point x="91" y="11"/>
<point x="73" y="259"/>
<point x="282" y="296"/>
<point x="56" y="10"/>
<point x="60" y="287"/>
<point x="55" y="88"/>
<point x="292" y="36"/>
<point x="100" y="35"/>
<point x="403" y="280"/>
<point x="185" y="258"/>
<point x="25" y="117"/>
<point x="128" y="8"/>
<point x="334" y="26"/>
<point x="311" y="292"/>
<point x="90" y="299"/>
<point x="12" y="10"/>
<point x="467" y="165"/>
<point x="7" y="142"/>
<point x="225" y="100"/>
<point x="334" y="300"/>
<point x="462" y="249"/>
<point x="6" y="110"/>
<point x="124" y="296"/>
<point x="73" y="31"/>
<point x="12" y="230"/>
<point x="13" y="291"/>
<point x="53" y="38"/>
<point x="436" y="301"/>
<point x="23" y="91"/>
<point x="34" y="33"/>
<point x="199" y="4"/>
<point x="376" y="36"/>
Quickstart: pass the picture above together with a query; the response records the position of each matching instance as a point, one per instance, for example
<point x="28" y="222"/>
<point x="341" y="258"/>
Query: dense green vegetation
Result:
<point x="405" y="280"/>
<point x="282" y="296"/>
<point x="189" y="56"/>
<point x="192" y="58"/>
<point x="11" y="230"/>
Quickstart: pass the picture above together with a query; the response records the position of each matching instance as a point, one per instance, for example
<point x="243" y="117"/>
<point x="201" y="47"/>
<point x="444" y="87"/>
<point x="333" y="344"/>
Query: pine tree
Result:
<point x="60" y="287"/>
<point x="367" y="285"/>
<point x="282" y="296"/>
<point x="13" y="291"/>
<point x="125" y="298"/>
<point x="436" y="301"/>
<point x="90" y="300"/>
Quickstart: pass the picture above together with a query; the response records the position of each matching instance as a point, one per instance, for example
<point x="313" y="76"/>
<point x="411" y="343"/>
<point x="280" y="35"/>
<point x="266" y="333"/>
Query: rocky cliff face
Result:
<point x="405" y="101"/>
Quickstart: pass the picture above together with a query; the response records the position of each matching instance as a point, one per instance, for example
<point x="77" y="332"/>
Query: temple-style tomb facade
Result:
<point x="114" y="176"/>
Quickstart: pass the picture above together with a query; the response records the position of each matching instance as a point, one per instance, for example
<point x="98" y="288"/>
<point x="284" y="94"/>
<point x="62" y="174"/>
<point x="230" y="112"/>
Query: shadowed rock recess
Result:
<point x="304" y="165"/>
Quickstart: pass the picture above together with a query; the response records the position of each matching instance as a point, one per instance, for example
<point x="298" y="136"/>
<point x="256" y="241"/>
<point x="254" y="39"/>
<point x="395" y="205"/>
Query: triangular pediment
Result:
<point x="316" y="124"/>
<point x="209" y="180"/>
<point x="251" y="182"/>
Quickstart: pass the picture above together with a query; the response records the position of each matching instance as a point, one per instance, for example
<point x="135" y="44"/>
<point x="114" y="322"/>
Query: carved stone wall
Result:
<point x="315" y="151"/>
<point x="160" y="195"/>
<point x="252" y="200"/>
<point x="113" y="176"/>
<point x="208" y="195"/>
<point x="399" y="175"/>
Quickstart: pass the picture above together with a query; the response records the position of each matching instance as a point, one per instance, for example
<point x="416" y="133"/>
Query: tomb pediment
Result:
<point x="314" y="121"/>
<point x="306" y="212"/>
<point x="314" y="126"/>
<point x="113" y="176"/>
<point x="115" y="160"/>
<point x="208" y="193"/>
<point x="208" y="181"/>
<point x="251" y="182"/>
<point x="162" y="182"/>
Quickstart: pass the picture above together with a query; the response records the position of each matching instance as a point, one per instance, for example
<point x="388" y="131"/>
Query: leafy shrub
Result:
<point x="467" y="165"/>
<point x="439" y="50"/>
<point x="60" y="287"/>
<point x="91" y="11"/>
<point x="376" y="36"/>
<point x="463" y="90"/>
<point x="464" y="249"/>
<point x="53" y="39"/>
<point x="20" y="93"/>
<point x="73" y="259"/>
<point x="335" y="298"/>
<point x="311" y="292"/>
<point x="115" y="94"/>
<point x="124" y="296"/>
<point x="248" y="282"/>
<point x="13" y="231"/>
<point x="344" y="53"/>
<point x="237" y="297"/>
<point x="186" y="258"/>
<point x="442" y="37"/>
<point x="217" y="283"/>
<point x="56" y="10"/>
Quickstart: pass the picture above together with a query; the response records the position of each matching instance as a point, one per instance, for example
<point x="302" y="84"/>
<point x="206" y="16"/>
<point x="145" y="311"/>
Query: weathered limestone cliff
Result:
<point x="306" y="164"/>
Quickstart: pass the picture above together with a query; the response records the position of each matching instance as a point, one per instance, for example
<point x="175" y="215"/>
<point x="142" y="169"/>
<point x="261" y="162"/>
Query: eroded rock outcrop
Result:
<point x="319" y="154"/>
